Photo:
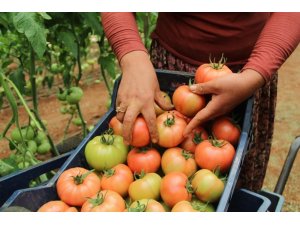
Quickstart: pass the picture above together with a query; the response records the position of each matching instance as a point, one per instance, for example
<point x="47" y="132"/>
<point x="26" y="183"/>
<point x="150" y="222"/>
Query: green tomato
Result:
<point x="74" y="95"/>
<point x="61" y="95"/>
<point x="77" y="121"/>
<point x="54" y="68"/>
<point x="27" y="134"/>
<point x="44" y="148"/>
<point x="23" y="165"/>
<point x="63" y="110"/>
<point x="40" y="137"/>
<point x="32" y="146"/>
<point x="105" y="151"/>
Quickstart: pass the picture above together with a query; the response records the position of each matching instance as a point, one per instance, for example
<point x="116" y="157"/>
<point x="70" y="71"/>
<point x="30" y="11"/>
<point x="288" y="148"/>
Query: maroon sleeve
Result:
<point x="277" y="41"/>
<point x="122" y="33"/>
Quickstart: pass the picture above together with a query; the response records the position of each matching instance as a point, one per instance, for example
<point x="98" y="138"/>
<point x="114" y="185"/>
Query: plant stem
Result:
<point x="32" y="80"/>
<point x="67" y="127"/>
<point x="82" y="120"/>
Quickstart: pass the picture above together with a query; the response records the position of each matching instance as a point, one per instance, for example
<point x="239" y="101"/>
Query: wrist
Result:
<point x="254" y="78"/>
<point x="134" y="58"/>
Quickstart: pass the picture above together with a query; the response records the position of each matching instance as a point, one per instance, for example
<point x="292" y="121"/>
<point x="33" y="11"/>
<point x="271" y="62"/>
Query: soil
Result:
<point x="287" y="124"/>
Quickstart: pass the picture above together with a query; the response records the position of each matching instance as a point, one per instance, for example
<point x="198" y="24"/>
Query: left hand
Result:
<point x="227" y="92"/>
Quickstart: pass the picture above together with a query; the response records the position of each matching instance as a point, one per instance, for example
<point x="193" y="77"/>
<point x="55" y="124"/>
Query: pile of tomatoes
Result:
<point x="177" y="174"/>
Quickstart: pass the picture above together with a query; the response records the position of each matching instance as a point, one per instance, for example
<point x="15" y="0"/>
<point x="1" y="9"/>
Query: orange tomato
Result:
<point x="56" y="206"/>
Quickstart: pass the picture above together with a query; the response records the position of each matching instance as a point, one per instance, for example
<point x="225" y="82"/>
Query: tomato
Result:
<point x="116" y="125"/>
<point x="170" y="129"/>
<point x="187" y="102"/>
<point x="147" y="186"/>
<point x="193" y="139"/>
<point x="207" y="186"/>
<point x="175" y="187"/>
<point x="41" y="137"/>
<point x="178" y="160"/>
<point x="27" y="134"/>
<point x="105" y="151"/>
<point x="44" y="147"/>
<point x="117" y="179"/>
<point x="225" y="129"/>
<point x="212" y="70"/>
<point x="31" y="146"/>
<point x="214" y="154"/>
<point x="193" y="206"/>
<point x="77" y="121"/>
<point x="61" y="95"/>
<point x="146" y="205"/>
<point x="143" y="160"/>
<point x="104" y="201"/>
<point x="140" y="133"/>
<point x="157" y="108"/>
<point x="56" y="206"/>
<point x="77" y="184"/>
<point x="74" y="94"/>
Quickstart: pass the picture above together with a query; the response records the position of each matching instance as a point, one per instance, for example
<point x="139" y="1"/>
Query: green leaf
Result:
<point x="31" y="25"/>
<point x="108" y="64"/>
<point x="93" y="20"/>
<point x="18" y="78"/>
<point x="69" y="40"/>
<point x="45" y="15"/>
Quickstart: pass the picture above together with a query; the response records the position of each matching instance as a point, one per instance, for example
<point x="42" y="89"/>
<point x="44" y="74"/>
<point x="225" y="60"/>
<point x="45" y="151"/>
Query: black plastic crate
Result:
<point x="33" y="198"/>
<point x="276" y="199"/>
<point x="247" y="201"/>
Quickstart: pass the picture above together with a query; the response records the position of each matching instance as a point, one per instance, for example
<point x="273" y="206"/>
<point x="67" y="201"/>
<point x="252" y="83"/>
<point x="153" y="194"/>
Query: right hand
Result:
<point x="138" y="90"/>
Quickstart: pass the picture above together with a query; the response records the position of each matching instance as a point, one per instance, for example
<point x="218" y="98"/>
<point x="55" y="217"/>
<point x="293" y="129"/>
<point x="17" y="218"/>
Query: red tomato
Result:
<point x="146" y="205"/>
<point x="56" y="206"/>
<point x="224" y="128"/>
<point x="147" y="186"/>
<point x="212" y="70"/>
<point x="214" y="154"/>
<point x="193" y="139"/>
<point x="170" y="129"/>
<point x="104" y="201"/>
<point x="207" y="186"/>
<point x="145" y="160"/>
<point x="140" y="133"/>
<point x="117" y="179"/>
<point x="175" y="187"/>
<point x="178" y="160"/>
<point x="116" y="125"/>
<point x="193" y="206"/>
<point x="77" y="184"/>
<point x="187" y="102"/>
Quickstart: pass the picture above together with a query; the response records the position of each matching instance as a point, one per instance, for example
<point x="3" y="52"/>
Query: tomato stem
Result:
<point x="197" y="138"/>
<point x="189" y="187"/>
<point x="186" y="154"/>
<point x="107" y="139"/>
<point x="79" y="179"/>
<point x="98" y="200"/>
<point x="109" y="172"/>
<point x="219" y="65"/>
<point x="139" y="208"/>
<point x="169" y="121"/>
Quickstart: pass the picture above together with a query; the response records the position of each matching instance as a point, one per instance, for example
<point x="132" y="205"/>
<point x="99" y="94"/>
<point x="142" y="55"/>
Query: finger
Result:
<point x="163" y="100"/>
<point x="121" y="110"/>
<point x="129" y="118"/>
<point x="150" y="118"/>
<point x="211" y="111"/>
<point x="204" y="88"/>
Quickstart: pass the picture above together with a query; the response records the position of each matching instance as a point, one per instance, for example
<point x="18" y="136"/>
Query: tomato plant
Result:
<point x="105" y="151"/>
<point x="170" y="129"/>
<point x="214" y="154"/>
<point x="143" y="160"/>
<point x="146" y="205"/>
<point x="74" y="94"/>
<point x="187" y="102"/>
<point x="207" y="186"/>
<point x="56" y="206"/>
<point x="224" y="128"/>
<point x="77" y="184"/>
<point x="212" y="70"/>
<point x="175" y="187"/>
<point x="147" y="186"/>
<point x="178" y="160"/>
<point x="140" y="133"/>
<point x="117" y="179"/>
<point x="194" y="206"/>
<point x="104" y="201"/>
<point x="194" y="138"/>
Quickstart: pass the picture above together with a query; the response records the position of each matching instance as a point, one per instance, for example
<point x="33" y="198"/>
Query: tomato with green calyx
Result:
<point x="77" y="184"/>
<point x="214" y="154"/>
<point x="56" y="206"/>
<point x="105" y="151"/>
<point x="225" y="128"/>
<point x="146" y="205"/>
<point x="212" y="70"/>
<point x="193" y="139"/>
<point x="147" y="186"/>
<point x="207" y="186"/>
<point x="117" y="179"/>
<point x="44" y="148"/>
<point x="194" y="206"/>
<point x="104" y="201"/>
<point x="143" y="159"/>
<point x="74" y="95"/>
<point x="175" y="187"/>
<point x="170" y="129"/>
<point x="178" y="160"/>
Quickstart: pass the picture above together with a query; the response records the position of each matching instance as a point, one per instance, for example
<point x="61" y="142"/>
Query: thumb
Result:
<point x="163" y="100"/>
<point x="204" y="88"/>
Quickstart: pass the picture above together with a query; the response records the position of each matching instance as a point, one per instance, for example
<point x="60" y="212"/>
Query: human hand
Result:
<point x="227" y="92"/>
<point x="138" y="90"/>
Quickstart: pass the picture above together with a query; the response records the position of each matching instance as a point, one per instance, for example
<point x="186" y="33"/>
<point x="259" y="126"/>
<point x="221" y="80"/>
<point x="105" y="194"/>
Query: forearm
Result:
<point x="122" y="33"/>
<point x="277" y="41"/>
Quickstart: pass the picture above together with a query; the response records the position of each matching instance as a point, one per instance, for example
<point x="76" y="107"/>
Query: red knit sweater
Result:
<point x="259" y="41"/>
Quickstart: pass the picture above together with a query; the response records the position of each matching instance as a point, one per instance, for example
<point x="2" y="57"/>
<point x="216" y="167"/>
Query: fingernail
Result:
<point x="193" y="87"/>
